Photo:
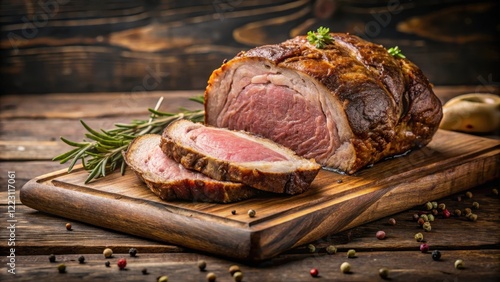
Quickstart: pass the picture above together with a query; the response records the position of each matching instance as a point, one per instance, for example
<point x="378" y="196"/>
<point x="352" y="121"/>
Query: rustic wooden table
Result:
<point x="30" y="128"/>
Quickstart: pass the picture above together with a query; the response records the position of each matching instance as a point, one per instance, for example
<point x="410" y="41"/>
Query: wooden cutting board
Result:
<point x="452" y="162"/>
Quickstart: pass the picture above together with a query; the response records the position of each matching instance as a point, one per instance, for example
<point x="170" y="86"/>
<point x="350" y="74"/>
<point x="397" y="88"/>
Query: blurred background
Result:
<point x="69" y="46"/>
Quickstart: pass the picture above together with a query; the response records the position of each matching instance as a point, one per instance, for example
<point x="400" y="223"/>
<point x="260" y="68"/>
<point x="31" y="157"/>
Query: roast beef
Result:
<point x="238" y="157"/>
<point x="170" y="181"/>
<point x="347" y="106"/>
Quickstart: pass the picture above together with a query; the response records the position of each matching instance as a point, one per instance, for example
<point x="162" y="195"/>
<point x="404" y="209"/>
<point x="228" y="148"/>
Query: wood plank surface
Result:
<point x="451" y="163"/>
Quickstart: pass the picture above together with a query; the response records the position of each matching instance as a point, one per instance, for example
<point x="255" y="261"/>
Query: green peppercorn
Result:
<point x="468" y="194"/>
<point x="52" y="258"/>
<point x="351" y="253"/>
<point x="163" y="278"/>
<point x="238" y="276"/>
<point x="467" y="211"/>
<point x="419" y="237"/>
<point x="331" y="249"/>
<point x="202" y="265"/>
<point x="61" y="268"/>
<point x="251" y="213"/>
<point x="345" y="267"/>
<point x="427" y="226"/>
<point x="494" y="191"/>
<point x="424" y="217"/>
<point x="233" y="269"/>
<point x="81" y="259"/>
<point x="434" y="205"/>
<point x="441" y="206"/>
<point x="383" y="273"/>
<point x="458" y="212"/>
<point x="107" y="253"/>
<point x="428" y="206"/>
<point x="311" y="248"/>
<point x="459" y="264"/>
<point x="430" y="217"/>
<point x="475" y="205"/>
<point x="211" y="277"/>
<point x="472" y="217"/>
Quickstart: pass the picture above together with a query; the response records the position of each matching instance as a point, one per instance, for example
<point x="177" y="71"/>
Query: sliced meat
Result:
<point x="347" y="106"/>
<point x="239" y="157"/>
<point x="171" y="181"/>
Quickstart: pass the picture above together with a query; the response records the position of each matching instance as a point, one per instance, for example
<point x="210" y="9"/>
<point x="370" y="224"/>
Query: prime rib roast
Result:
<point x="347" y="106"/>
<point x="169" y="180"/>
<point x="237" y="156"/>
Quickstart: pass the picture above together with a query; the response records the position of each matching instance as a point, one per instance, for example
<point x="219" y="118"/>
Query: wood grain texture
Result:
<point x="141" y="46"/>
<point x="451" y="163"/>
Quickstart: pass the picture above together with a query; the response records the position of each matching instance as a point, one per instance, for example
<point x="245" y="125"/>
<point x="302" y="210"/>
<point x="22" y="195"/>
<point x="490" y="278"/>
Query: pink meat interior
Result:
<point x="227" y="146"/>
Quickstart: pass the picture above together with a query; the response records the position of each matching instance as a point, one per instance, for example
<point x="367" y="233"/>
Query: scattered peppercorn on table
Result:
<point x="453" y="238"/>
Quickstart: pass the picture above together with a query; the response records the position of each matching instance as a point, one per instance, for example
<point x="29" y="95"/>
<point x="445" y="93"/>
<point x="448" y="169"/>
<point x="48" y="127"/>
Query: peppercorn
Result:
<point x="52" y="258"/>
<point x="436" y="255"/>
<point x="339" y="181"/>
<point x="61" y="268"/>
<point x="68" y="226"/>
<point x="434" y="205"/>
<point x="331" y="249"/>
<point x="211" y="277"/>
<point x="427" y="226"/>
<point x="251" y="213"/>
<point x="459" y="264"/>
<point x="311" y="248"/>
<point x="475" y="205"/>
<point x="144" y="271"/>
<point x="122" y="263"/>
<point x="421" y="221"/>
<point x="81" y="259"/>
<point x="107" y="253"/>
<point x="202" y="265"/>
<point x="163" y="278"/>
<point x="467" y="211"/>
<point x="494" y="191"/>
<point x="457" y="212"/>
<point x="435" y="212"/>
<point x="459" y="198"/>
<point x="238" y="276"/>
<point x="132" y="252"/>
<point x="468" y="194"/>
<point x="345" y="267"/>
<point x="351" y="253"/>
<point x="380" y="235"/>
<point x="424" y="217"/>
<point x="383" y="273"/>
<point x="314" y="272"/>
<point x="472" y="217"/>
<point x="107" y="264"/>
<point x="446" y="213"/>
<point x="428" y="206"/>
<point x="430" y="217"/>
<point x="424" y="248"/>
<point x="233" y="212"/>
<point x="441" y="206"/>
<point x="233" y="269"/>
<point x="419" y="237"/>
<point x="392" y="221"/>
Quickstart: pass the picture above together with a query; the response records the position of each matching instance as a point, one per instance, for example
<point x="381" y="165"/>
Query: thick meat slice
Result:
<point x="170" y="181"/>
<point x="347" y="106"/>
<point x="237" y="156"/>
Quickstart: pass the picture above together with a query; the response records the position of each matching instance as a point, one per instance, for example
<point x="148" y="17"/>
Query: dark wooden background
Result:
<point x="74" y="46"/>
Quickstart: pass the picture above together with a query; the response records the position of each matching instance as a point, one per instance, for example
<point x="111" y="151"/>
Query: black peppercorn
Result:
<point x="107" y="264"/>
<point x="436" y="255"/>
<point x="144" y="271"/>
<point x="339" y="181"/>
<point x="233" y="212"/>
<point x="52" y="258"/>
<point x="81" y="259"/>
<point x="132" y="252"/>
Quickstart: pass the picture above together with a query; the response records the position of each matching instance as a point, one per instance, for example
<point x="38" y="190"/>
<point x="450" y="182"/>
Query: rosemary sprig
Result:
<point x="320" y="38"/>
<point x="101" y="152"/>
<point x="396" y="52"/>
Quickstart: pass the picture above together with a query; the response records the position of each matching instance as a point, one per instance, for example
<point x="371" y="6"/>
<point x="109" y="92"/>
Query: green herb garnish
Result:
<point x="102" y="152"/>
<point x="320" y="38"/>
<point x="396" y="52"/>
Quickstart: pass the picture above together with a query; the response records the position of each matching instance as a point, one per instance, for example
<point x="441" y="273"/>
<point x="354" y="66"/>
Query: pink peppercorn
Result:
<point x="424" y="248"/>
<point x="314" y="272"/>
<point x="446" y="213"/>
<point x="380" y="235"/>
<point x="122" y="263"/>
